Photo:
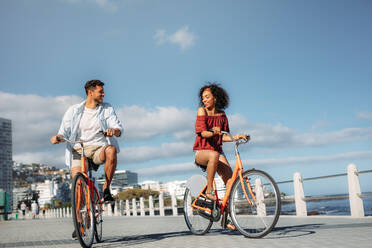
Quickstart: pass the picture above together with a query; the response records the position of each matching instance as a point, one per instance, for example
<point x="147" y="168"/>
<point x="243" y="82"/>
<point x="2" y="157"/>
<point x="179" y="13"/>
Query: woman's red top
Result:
<point x="205" y="123"/>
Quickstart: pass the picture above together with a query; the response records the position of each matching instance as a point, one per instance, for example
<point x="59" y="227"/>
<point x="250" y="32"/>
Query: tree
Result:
<point x="130" y="194"/>
<point x="57" y="203"/>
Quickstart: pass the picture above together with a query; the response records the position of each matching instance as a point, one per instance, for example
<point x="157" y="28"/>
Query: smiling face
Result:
<point x="97" y="94"/>
<point x="208" y="99"/>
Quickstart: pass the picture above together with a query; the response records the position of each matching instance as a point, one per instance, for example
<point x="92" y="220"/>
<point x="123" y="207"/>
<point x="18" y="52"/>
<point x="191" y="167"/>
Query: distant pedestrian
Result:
<point x="44" y="212"/>
<point x="37" y="211"/>
<point x="33" y="209"/>
<point x="23" y="209"/>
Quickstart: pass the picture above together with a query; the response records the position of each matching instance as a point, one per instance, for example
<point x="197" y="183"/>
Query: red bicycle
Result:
<point x="86" y="203"/>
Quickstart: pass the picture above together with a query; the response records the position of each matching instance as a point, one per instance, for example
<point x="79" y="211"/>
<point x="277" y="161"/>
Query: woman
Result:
<point x="210" y="121"/>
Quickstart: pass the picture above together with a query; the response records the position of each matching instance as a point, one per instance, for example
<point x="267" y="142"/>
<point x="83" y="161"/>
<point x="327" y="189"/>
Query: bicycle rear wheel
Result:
<point x="82" y="211"/>
<point x="197" y="224"/>
<point x="256" y="216"/>
<point x="98" y="220"/>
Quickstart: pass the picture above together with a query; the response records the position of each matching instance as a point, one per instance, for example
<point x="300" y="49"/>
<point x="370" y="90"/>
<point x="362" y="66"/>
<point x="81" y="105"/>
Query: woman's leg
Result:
<point x="225" y="172"/>
<point x="210" y="159"/>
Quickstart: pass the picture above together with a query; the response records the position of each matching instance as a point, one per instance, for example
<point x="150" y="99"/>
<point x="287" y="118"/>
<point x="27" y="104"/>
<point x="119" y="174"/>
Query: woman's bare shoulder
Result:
<point x="201" y="112"/>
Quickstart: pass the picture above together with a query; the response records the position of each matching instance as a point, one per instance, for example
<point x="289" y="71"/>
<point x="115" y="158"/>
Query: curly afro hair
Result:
<point x="222" y="98"/>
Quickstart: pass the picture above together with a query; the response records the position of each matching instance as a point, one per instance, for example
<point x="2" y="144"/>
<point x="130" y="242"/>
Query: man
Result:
<point x="86" y="121"/>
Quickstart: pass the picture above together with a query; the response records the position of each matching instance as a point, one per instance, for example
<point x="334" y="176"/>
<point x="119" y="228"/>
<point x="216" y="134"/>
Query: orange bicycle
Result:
<point x="86" y="203"/>
<point x="253" y="202"/>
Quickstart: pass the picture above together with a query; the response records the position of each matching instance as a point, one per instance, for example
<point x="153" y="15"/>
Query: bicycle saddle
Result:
<point x="92" y="165"/>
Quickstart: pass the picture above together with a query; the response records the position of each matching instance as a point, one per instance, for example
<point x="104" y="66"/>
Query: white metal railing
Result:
<point x="355" y="194"/>
<point x="138" y="208"/>
<point x="120" y="208"/>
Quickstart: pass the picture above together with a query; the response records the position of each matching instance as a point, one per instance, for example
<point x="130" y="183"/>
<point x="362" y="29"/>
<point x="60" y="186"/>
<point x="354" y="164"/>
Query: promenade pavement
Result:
<point x="171" y="232"/>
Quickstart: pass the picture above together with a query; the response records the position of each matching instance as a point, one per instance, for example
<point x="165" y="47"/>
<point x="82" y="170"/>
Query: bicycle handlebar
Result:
<point x="237" y="142"/>
<point x="61" y="138"/>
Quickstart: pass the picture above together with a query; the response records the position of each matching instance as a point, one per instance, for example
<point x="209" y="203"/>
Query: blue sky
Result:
<point x="298" y="74"/>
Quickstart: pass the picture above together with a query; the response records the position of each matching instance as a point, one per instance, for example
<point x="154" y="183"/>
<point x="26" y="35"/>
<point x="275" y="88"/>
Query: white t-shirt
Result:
<point x="33" y="207"/>
<point x="89" y="128"/>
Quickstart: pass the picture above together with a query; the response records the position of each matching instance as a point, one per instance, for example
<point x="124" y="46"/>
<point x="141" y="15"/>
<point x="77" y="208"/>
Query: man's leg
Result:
<point x="108" y="154"/>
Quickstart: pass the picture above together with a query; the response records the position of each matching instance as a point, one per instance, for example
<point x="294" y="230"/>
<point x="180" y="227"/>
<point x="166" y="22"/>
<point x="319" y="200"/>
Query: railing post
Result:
<point x="117" y="208"/>
<point x="161" y="204"/>
<point x="261" y="206"/>
<point x="127" y="209"/>
<point x="121" y="204"/>
<point x="106" y="211"/>
<point x="142" y="206"/>
<point x="356" y="202"/>
<point x="134" y="207"/>
<point x="299" y="195"/>
<point x="174" y="204"/>
<point x="151" y="206"/>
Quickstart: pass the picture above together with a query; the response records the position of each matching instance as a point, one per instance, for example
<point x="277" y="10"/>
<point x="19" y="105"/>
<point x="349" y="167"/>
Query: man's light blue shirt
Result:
<point x="70" y="125"/>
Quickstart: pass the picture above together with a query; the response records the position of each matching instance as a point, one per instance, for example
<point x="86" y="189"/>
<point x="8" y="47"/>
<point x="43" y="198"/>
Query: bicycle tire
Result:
<point x="98" y="218"/>
<point x="196" y="223"/>
<point x="257" y="219"/>
<point x="83" y="211"/>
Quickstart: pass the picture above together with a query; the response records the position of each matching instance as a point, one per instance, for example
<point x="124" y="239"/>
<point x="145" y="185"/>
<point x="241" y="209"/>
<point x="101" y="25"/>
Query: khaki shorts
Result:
<point x="91" y="152"/>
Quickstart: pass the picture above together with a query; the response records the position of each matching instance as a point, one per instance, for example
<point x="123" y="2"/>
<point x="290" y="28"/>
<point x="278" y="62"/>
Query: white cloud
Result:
<point x="349" y="156"/>
<point x="34" y="118"/>
<point x="166" y="170"/>
<point x="53" y="158"/>
<point x="182" y="37"/>
<point x="364" y="116"/>
<point x="146" y="153"/>
<point x="141" y="123"/>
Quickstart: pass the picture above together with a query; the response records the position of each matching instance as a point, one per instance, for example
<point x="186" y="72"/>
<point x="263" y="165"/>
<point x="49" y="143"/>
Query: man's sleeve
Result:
<point x="113" y="120"/>
<point x="65" y="128"/>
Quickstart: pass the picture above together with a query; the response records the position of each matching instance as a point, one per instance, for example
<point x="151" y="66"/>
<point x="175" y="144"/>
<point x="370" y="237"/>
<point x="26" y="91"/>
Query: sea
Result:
<point x="336" y="207"/>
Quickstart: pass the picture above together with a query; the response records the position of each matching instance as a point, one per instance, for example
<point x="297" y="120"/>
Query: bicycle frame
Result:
<point x="87" y="174"/>
<point x="238" y="172"/>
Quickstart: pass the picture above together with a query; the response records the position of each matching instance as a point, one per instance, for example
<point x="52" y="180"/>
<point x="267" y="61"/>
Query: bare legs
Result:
<point x="215" y="163"/>
<point x="108" y="155"/>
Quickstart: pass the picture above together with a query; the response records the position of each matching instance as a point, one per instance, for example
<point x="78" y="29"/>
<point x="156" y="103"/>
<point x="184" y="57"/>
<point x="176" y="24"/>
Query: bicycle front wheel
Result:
<point x="82" y="211"/>
<point x="256" y="215"/>
<point x="98" y="220"/>
<point x="197" y="224"/>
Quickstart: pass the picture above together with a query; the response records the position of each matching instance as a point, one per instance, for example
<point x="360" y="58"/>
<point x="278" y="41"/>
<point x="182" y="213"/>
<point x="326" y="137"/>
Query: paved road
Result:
<point x="171" y="232"/>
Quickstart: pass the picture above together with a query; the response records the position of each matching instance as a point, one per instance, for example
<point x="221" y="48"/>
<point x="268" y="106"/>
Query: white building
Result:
<point x="152" y="185"/>
<point x="177" y="187"/>
<point x="47" y="190"/>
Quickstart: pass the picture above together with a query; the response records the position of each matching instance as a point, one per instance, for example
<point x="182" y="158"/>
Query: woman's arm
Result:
<point x="227" y="138"/>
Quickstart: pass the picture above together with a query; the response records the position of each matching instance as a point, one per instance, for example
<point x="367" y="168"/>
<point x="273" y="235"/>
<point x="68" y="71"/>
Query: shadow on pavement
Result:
<point x="139" y="239"/>
<point x="279" y="232"/>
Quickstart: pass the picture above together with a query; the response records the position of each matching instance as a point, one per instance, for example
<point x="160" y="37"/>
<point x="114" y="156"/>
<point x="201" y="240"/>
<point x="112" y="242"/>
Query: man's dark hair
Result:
<point x="91" y="84"/>
<point x="222" y="98"/>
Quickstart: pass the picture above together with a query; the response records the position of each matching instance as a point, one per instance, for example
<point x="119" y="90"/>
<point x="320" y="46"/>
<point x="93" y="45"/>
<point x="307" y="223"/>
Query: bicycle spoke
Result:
<point x="197" y="223"/>
<point x="82" y="211"/>
<point x="255" y="204"/>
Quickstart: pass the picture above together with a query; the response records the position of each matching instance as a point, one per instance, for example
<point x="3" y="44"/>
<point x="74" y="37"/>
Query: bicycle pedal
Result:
<point x="205" y="203"/>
